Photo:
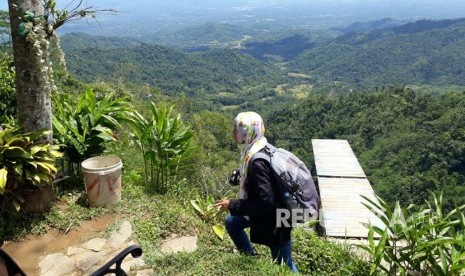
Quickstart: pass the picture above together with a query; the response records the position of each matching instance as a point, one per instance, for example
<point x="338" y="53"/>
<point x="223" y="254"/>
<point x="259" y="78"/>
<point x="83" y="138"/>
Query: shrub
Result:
<point x="84" y="130"/>
<point x="25" y="164"/>
<point x="417" y="241"/>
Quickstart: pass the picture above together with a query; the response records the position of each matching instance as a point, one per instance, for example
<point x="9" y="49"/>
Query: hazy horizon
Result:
<point x="139" y="18"/>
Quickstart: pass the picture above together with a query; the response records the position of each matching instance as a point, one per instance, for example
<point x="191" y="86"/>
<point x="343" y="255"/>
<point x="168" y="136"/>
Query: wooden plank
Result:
<point x="348" y="233"/>
<point x="344" y="208"/>
<point x="345" y="189"/>
<point x="334" y="224"/>
<point x="355" y="229"/>
<point x="367" y="216"/>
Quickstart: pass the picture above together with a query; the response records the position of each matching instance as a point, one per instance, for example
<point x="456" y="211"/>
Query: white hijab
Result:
<point x="250" y="130"/>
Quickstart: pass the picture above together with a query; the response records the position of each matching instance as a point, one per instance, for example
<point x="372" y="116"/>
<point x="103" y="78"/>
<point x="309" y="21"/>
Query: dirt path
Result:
<point x="28" y="252"/>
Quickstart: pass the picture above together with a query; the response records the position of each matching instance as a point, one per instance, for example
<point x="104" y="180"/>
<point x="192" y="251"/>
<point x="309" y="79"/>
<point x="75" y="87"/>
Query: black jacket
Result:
<point x="260" y="205"/>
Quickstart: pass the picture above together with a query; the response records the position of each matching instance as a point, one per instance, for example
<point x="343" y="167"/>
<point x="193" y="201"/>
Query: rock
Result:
<point x="56" y="264"/>
<point x="145" y="272"/>
<point x="134" y="263"/>
<point x="92" y="269"/>
<point x="184" y="244"/>
<point x="117" y="239"/>
<point x="95" y="244"/>
<point x="86" y="260"/>
<point x="74" y="250"/>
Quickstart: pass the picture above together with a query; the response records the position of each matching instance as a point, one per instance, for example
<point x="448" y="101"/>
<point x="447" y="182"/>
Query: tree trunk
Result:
<point x="33" y="89"/>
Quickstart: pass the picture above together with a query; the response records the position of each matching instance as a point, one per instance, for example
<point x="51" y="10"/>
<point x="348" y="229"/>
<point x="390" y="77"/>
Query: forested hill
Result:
<point x="79" y="41"/>
<point x="208" y="35"/>
<point x="171" y="70"/>
<point x="424" y="52"/>
<point x="407" y="142"/>
<point x="419" y="53"/>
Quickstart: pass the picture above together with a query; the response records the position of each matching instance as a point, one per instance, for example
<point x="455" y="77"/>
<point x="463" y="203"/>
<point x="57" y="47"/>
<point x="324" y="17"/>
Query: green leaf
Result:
<point x="44" y="167"/>
<point x="36" y="179"/>
<point x="17" y="206"/>
<point x="3" y="179"/>
<point x="56" y="153"/>
<point x="29" y="16"/>
<point x="33" y="164"/>
<point x="22" y="30"/>
<point x="379" y="249"/>
<point x="458" y="267"/>
<point x="16" y="152"/>
<point x="418" y="255"/>
<point x="371" y="240"/>
<point x="219" y="230"/>
<point x="460" y="258"/>
<point x="197" y="207"/>
<point x="18" y="168"/>
<point x="36" y="149"/>
<point x="44" y="178"/>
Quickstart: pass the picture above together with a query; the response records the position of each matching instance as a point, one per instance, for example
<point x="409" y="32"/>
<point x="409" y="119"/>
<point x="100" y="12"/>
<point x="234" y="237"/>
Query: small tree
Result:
<point x="163" y="141"/>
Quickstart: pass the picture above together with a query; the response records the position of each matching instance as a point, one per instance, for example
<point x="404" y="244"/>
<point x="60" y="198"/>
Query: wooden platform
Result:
<point x="336" y="158"/>
<point x="341" y="182"/>
<point x="342" y="212"/>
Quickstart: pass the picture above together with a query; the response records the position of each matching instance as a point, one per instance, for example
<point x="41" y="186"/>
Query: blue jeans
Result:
<point x="235" y="226"/>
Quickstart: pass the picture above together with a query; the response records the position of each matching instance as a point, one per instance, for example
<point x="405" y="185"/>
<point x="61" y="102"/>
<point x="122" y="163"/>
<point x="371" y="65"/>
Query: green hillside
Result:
<point x="203" y="37"/>
<point x="425" y="52"/>
<point x="171" y="70"/>
<point x="282" y="49"/>
<point x="406" y="142"/>
<point x="383" y="23"/>
<point x="78" y="41"/>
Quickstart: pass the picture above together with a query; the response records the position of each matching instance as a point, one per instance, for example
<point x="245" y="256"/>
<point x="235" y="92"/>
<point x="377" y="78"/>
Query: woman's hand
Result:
<point x="223" y="204"/>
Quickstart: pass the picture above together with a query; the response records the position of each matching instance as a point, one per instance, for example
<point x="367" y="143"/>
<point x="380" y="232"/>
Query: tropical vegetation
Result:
<point x="26" y="163"/>
<point x="167" y="113"/>
<point x="427" y="241"/>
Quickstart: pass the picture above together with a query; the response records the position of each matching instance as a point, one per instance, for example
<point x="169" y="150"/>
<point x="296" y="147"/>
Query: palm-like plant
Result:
<point x="163" y="140"/>
<point x="84" y="130"/>
<point x="423" y="242"/>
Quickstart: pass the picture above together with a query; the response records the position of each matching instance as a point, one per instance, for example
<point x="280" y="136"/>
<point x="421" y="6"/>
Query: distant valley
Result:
<point x="423" y="53"/>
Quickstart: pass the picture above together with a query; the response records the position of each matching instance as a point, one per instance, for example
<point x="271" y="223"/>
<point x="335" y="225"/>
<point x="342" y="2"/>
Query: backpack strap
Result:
<point x="269" y="151"/>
